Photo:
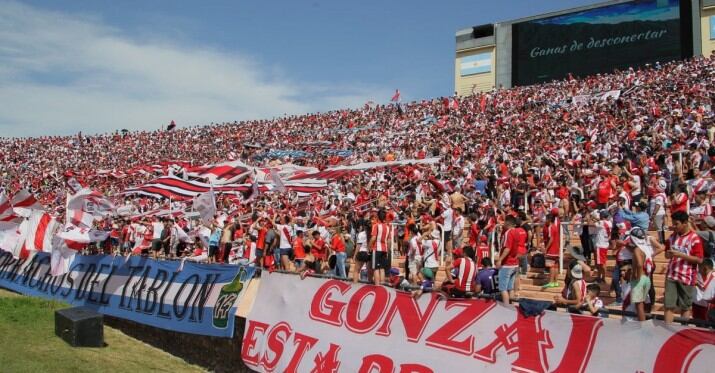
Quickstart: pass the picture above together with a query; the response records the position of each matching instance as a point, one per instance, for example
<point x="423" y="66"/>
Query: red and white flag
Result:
<point x="41" y="229"/>
<point x="86" y="206"/>
<point x="396" y="96"/>
<point x="6" y="213"/>
<point x="20" y="205"/>
<point x="220" y="173"/>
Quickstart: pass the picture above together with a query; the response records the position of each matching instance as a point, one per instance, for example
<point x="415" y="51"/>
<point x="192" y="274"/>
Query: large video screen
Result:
<point x="600" y="40"/>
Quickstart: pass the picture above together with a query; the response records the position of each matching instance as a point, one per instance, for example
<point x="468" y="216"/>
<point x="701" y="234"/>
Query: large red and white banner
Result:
<point x="318" y="325"/>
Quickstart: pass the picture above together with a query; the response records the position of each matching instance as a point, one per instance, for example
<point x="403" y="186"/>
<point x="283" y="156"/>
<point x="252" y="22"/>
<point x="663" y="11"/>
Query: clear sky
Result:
<point x="97" y="66"/>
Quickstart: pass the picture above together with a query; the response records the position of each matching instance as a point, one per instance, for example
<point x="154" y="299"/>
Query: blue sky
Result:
<point x="96" y="66"/>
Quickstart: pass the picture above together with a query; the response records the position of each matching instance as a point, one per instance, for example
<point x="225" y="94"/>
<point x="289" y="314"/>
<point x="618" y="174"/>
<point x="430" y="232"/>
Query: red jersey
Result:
<point x="605" y="191"/>
<point x="678" y="269"/>
<point x="521" y="237"/>
<point x="298" y="248"/>
<point x="483" y="251"/>
<point x="473" y="235"/>
<point x="337" y="244"/>
<point x="680" y="203"/>
<point x="261" y="239"/>
<point x="553" y="232"/>
<point x="511" y="242"/>
<point x="318" y="250"/>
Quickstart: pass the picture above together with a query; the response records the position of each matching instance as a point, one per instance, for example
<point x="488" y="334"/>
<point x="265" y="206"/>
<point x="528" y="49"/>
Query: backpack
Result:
<point x="538" y="261"/>
<point x="349" y="248"/>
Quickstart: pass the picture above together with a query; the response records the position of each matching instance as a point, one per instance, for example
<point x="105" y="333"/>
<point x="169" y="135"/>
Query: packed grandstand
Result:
<point x="601" y="184"/>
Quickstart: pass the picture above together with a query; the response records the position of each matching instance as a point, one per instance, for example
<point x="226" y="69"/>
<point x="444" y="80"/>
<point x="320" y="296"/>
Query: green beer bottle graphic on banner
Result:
<point x="226" y="299"/>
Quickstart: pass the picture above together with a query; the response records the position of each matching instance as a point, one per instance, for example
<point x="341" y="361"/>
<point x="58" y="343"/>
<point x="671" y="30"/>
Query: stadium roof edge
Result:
<point x="465" y="31"/>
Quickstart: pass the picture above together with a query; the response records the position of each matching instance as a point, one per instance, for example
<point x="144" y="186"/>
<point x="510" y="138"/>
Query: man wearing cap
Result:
<point x="685" y="253"/>
<point x="638" y="218"/>
<point x="572" y="295"/>
<point x="658" y="203"/>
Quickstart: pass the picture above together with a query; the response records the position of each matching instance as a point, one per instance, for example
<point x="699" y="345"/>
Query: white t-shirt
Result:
<point x="457" y="227"/>
<point x="430" y="252"/>
<point x="362" y="241"/>
<point x="636" y="191"/>
<point x="659" y="200"/>
<point x="705" y="290"/>
<point x="158" y="227"/>
<point x="448" y="216"/>
<point x="285" y="232"/>
<point x="414" y="249"/>
<point x="603" y="233"/>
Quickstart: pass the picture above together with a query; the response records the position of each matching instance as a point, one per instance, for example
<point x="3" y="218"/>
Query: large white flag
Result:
<point x="62" y="256"/>
<point x="86" y="206"/>
<point x="77" y="237"/>
<point x="205" y="204"/>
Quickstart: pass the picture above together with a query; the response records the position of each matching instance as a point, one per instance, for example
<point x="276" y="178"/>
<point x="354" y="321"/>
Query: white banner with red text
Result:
<point x="318" y="325"/>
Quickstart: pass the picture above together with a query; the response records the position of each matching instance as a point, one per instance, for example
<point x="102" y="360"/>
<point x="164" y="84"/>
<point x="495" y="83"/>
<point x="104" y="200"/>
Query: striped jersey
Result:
<point x="679" y="269"/>
<point x="381" y="234"/>
<point x="466" y="272"/>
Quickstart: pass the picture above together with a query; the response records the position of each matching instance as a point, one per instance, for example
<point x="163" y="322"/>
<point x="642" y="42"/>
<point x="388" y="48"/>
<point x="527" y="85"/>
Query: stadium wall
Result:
<point x="707" y="27"/>
<point x="480" y="80"/>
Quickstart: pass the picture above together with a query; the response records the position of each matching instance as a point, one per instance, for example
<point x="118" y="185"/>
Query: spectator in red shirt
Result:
<point x="298" y="249"/>
<point x="552" y="237"/>
<point x="337" y="244"/>
<point x="319" y="250"/>
<point x="508" y="263"/>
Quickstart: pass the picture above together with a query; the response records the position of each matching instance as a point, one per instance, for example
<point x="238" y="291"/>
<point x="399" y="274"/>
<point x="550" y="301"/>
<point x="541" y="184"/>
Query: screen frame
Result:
<point x="686" y="36"/>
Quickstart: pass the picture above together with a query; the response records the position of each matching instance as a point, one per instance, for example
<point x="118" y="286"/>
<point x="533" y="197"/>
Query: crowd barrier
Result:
<point x="333" y="324"/>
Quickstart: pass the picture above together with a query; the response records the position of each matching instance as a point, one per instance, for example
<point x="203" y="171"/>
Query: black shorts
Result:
<point x="212" y="251"/>
<point x="155" y="244"/>
<point x="447" y="236"/>
<point x="363" y="257"/>
<point x="379" y="260"/>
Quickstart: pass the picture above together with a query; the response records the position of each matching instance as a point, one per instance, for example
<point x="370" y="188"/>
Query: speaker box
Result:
<point x="80" y="327"/>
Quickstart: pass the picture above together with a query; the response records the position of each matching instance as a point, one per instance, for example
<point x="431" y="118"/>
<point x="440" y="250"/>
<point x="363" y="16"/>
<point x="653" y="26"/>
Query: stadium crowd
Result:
<point x="606" y="158"/>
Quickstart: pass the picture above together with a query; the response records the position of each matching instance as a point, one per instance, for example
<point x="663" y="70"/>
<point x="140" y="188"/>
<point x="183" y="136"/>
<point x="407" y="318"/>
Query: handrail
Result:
<point x="561" y="247"/>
